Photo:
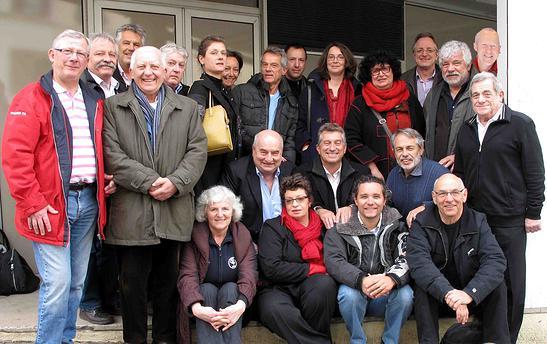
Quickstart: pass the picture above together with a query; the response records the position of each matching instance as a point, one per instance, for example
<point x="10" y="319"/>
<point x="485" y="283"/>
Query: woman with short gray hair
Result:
<point x="218" y="272"/>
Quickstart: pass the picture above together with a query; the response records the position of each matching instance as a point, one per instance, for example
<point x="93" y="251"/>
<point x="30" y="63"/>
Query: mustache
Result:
<point x="106" y="64"/>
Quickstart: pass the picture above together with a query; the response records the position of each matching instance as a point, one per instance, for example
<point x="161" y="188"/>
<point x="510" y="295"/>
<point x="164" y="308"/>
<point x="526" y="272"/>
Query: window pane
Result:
<point x="160" y="28"/>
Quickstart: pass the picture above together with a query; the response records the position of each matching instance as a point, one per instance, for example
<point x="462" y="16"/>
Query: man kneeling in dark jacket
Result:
<point x="457" y="263"/>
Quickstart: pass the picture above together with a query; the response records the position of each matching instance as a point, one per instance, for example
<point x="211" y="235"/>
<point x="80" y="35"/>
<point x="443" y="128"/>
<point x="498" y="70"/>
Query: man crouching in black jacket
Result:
<point x="457" y="263"/>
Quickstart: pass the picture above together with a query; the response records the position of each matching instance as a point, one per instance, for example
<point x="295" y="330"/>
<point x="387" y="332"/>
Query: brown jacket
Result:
<point x="135" y="218"/>
<point x="195" y="261"/>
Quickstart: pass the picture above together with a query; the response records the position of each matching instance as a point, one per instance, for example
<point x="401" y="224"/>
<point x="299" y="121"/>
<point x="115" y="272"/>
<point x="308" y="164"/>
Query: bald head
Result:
<point x="449" y="195"/>
<point x="267" y="152"/>
<point x="487" y="46"/>
<point x="148" y="71"/>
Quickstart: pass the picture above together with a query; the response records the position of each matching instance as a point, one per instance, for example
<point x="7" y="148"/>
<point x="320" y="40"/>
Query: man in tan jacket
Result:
<point x="156" y="148"/>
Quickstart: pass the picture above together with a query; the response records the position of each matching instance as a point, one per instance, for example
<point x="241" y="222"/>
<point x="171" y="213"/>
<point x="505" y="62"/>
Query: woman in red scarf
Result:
<point x="299" y="298"/>
<point x="386" y="96"/>
<point x="331" y="89"/>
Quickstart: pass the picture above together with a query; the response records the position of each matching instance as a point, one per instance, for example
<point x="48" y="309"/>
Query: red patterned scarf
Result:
<point x="339" y="106"/>
<point x="308" y="238"/>
<point x="384" y="100"/>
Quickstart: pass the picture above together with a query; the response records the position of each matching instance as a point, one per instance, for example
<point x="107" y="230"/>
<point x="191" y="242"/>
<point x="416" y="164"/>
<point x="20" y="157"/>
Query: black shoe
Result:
<point x="96" y="316"/>
<point x="113" y="310"/>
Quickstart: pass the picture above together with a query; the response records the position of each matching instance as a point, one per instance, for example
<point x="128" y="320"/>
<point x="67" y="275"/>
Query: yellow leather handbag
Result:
<point x="217" y="129"/>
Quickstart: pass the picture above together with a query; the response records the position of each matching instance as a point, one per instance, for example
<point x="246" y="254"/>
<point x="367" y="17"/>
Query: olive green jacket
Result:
<point x="135" y="218"/>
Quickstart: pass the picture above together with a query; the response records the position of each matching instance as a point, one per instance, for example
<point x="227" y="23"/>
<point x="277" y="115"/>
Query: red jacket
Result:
<point x="37" y="157"/>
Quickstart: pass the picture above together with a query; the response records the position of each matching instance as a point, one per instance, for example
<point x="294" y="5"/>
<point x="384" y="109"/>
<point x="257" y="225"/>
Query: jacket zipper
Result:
<point x="373" y="253"/>
<point x="60" y="174"/>
<point x="97" y="169"/>
<point x="220" y="261"/>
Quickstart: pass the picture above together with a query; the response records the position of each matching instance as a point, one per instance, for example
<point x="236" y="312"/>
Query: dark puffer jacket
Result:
<point x="252" y="103"/>
<point x="348" y="263"/>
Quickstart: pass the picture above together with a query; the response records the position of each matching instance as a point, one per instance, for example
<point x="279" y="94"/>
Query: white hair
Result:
<point x="482" y="76"/>
<point x="217" y="194"/>
<point x="453" y="47"/>
<point x="171" y="48"/>
<point x="144" y="49"/>
<point x="69" y="34"/>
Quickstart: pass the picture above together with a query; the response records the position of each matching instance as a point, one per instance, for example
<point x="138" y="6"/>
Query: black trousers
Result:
<point x="140" y="266"/>
<point x="512" y="240"/>
<point x="493" y="307"/>
<point x="301" y="314"/>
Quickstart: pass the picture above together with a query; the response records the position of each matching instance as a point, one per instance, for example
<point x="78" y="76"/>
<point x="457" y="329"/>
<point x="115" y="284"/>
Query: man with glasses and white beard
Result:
<point x="447" y="105"/>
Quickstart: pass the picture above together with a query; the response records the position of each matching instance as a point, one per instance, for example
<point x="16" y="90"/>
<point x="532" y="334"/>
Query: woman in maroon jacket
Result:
<point x="218" y="274"/>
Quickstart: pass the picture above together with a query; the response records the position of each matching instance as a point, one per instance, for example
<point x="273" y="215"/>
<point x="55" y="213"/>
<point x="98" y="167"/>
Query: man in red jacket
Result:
<point x="52" y="159"/>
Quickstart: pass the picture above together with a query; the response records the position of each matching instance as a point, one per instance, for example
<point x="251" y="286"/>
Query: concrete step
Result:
<point x="18" y="325"/>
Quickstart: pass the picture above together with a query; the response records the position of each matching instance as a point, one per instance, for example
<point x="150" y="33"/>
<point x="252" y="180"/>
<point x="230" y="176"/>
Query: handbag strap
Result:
<point x="383" y="122"/>
<point x="210" y="99"/>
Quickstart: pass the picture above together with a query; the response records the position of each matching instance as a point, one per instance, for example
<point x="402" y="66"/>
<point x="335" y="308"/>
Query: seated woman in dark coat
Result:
<point x="299" y="298"/>
<point x="218" y="274"/>
<point x="386" y="96"/>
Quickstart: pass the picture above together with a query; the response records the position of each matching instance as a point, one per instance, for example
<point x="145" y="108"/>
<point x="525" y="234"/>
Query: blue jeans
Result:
<point x="394" y="307"/>
<point x="63" y="269"/>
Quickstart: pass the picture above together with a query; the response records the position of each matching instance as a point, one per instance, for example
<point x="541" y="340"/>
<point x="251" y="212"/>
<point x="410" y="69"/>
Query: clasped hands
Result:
<point x="222" y="319"/>
<point x="375" y="286"/>
<point x="458" y="301"/>
<point x="162" y="189"/>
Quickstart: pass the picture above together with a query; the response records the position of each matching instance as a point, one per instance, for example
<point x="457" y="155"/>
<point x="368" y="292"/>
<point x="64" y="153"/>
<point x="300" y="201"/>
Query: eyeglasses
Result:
<point x="384" y="69"/>
<point x="442" y="195"/>
<point x="428" y="50"/>
<point x="299" y="200"/>
<point x="335" y="57"/>
<point x="69" y="52"/>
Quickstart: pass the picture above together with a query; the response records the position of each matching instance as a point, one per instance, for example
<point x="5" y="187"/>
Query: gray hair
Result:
<point x="143" y="49"/>
<point x="276" y="51"/>
<point x="102" y="36"/>
<point x="453" y="47"/>
<point x="331" y="128"/>
<point x="69" y="34"/>
<point x="217" y="194"/>
<point x="136" y="28"/>
<point x="171" y="48"/>
<point x="482" y="76"/>
<point x="410" y="133"/>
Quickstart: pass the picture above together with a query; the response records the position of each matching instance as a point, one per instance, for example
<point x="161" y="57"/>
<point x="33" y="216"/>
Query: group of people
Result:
<point x="359" y="190"/>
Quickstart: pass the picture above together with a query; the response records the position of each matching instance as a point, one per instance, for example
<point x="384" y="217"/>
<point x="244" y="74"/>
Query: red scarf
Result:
<point x="339" y="105"/>
<point x="308" y="238"/>
<point x="493" y="69"/>
<point x="384" y="100"/>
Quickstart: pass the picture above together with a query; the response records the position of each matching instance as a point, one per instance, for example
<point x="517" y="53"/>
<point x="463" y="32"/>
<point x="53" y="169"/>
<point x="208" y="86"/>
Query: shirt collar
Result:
<point x="99" y="81"/>
<point x="60" y="89"/>
<point x="428" y="79"/>
<point x="375" y="229"/>
<point x="494" y="118"/>
<point x="336" y="174"/>
<point x="258" y="173"/>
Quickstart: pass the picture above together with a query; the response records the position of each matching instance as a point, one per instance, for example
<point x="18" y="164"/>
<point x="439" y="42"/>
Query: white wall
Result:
<point x="521" y="24"/>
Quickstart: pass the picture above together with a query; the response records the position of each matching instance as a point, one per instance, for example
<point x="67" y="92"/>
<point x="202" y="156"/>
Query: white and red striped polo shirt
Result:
<point x="84" y="168"/>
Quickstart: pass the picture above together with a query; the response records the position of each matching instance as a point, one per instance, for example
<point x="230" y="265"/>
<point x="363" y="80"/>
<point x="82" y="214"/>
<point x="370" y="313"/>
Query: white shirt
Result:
<point x="481" y="129"/>
<point x="83" y="151"/>
<point x="334" y="180"/>
<point x="125" y="77"/>
<point x="109" y="89"/>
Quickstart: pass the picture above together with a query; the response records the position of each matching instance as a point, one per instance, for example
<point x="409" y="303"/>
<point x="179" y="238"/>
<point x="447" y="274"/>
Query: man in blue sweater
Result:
<point x="411" y="182"/>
